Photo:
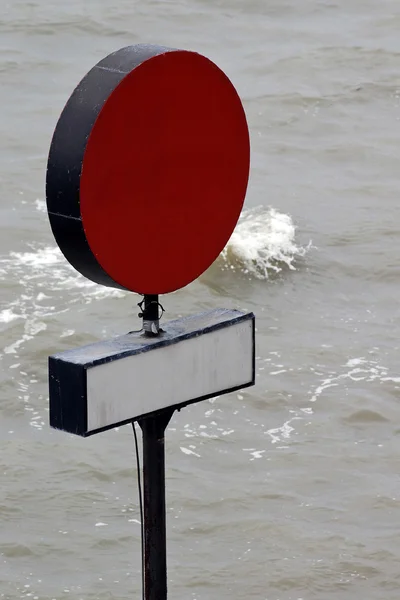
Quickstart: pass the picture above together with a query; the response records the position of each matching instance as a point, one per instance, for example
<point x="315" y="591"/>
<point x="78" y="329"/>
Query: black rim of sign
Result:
<point x="64" y="166"/>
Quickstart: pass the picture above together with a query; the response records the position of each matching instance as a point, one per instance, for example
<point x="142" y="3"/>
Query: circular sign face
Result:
<point x="148" y="169"/>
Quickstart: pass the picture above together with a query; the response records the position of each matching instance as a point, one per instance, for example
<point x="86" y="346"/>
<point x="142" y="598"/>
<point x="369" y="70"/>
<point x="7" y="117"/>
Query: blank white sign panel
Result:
<point x="116" y="381"/>
<point x="148" y="382"/>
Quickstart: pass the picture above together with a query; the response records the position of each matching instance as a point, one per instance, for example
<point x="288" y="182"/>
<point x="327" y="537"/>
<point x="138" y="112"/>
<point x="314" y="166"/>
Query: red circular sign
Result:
<point x="164" y="173"/>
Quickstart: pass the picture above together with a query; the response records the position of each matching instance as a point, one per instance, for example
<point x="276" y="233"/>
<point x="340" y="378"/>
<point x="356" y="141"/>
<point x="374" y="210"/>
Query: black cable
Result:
<point x="140" y="502"/>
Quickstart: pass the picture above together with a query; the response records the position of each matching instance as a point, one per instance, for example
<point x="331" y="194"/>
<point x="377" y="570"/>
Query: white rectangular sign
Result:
<point x="111" y="383"/>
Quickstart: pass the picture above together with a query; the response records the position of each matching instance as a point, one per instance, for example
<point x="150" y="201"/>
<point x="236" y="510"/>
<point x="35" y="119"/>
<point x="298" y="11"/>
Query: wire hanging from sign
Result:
<point x="140" y="502"/>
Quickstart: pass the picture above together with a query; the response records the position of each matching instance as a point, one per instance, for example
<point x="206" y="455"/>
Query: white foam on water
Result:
<point x="263" y="243"/>
<point x="42" y="257"/>
<point x="40" y="204"/>
<point x="354" y="370"/>
<point x="7" y="315"/>
<point x="283" y="433"/>
<point x="189" y="451"/>
<point x="41" y="276"/>
<point x="47" y="266"/>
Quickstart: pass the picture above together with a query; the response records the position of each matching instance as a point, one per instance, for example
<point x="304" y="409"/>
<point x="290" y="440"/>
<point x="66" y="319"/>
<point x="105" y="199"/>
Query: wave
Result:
<point x="262" y="244"/>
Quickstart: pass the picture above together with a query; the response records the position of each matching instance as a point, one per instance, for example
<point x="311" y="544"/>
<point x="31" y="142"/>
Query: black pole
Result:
<point x="155" y="540"/>
<point x="151" y="323"/>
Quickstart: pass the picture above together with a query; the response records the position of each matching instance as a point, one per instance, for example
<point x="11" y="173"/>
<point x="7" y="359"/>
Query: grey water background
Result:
<point x="289" y="490"/>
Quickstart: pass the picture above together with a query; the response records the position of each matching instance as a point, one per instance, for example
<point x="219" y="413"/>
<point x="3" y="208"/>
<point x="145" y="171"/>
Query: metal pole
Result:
<point x="155" y="552"/>
<point x="151" y="323"/>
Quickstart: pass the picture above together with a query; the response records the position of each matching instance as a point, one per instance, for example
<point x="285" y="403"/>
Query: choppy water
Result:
<point x="289" y="490"/>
